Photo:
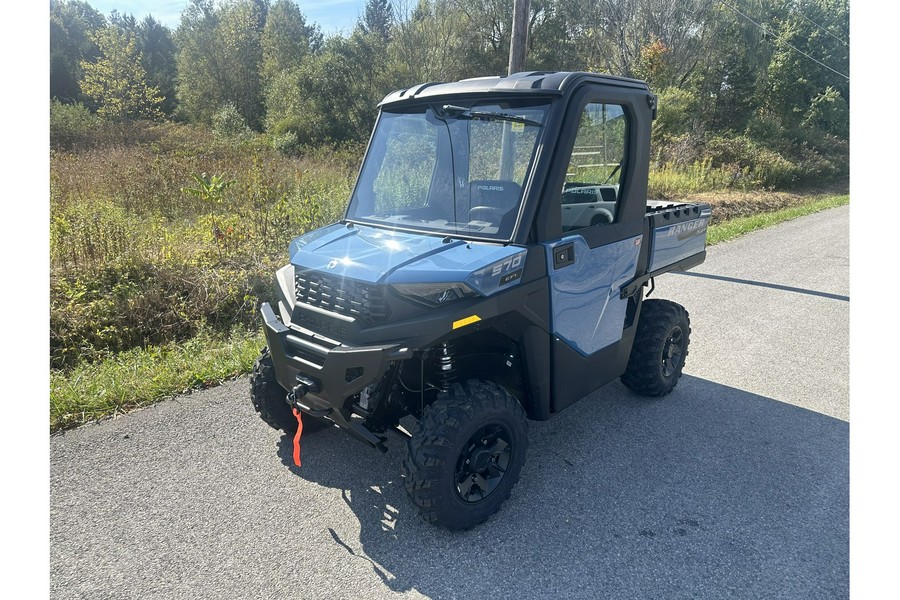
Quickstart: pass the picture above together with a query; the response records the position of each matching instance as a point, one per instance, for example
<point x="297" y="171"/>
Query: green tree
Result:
<point x="430" y="44"/>
<point x="726" y="80"/>
<point x="286" y="39"/>
<point x="811" y="29"/>
<point x="287" y="42"/>
<point x="453" y="39"/>
<point x="198" y="65"/>
<point x="551" y="43"/>
<point x="157" y="48"/>
<point x="116" y="81"/>
<point x="72" y="25"/>
<point x="158" y="54"/>
<point x="378" y="18"/>
<point x="613" y="34"/>
<point x="341" y="75"/>
<point x="829" y="112"/>
<point x="483" y="34"/>
<point x="219" y="59"/>
<point x="122" y="20"/>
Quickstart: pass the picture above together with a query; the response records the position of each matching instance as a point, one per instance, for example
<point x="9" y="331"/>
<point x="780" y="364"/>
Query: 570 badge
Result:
<point x="511" y="267"/>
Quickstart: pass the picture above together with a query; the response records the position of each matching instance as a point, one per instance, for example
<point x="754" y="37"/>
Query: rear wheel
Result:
<point x="660" y="348"/>
<point x="465" y="455"/>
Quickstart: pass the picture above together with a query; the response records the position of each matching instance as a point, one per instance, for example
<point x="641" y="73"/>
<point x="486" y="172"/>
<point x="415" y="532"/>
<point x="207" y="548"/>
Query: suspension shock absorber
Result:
<point x="446" y="365"/>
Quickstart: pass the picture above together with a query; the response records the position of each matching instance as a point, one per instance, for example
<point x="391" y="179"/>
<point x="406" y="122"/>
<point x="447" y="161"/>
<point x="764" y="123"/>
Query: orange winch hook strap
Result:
<point x="297" y="435"/>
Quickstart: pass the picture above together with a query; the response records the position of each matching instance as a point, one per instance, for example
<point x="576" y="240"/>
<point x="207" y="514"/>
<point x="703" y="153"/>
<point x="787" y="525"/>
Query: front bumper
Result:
<point x="324" y="374"/>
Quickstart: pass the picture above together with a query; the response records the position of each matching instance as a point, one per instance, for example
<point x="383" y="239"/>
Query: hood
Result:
<point x="377" y="255"/>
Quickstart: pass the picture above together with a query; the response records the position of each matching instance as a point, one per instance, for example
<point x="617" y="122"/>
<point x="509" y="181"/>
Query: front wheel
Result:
<point x="268" y="399"/>
<point x="465" y="455"/>
<point x="660" y="348"/>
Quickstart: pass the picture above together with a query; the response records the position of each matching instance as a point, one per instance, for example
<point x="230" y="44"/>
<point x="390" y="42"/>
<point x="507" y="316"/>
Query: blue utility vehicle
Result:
<point x="461" y="289"/>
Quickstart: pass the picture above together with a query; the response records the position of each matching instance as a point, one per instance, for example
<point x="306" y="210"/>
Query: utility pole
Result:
<point x="517" y="41"/>
<point x="519" y="37"/>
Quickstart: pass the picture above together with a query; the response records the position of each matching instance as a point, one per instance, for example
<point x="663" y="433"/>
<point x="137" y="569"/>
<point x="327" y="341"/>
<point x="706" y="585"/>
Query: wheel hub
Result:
<point x="673" y="352"/>
<point x="482" y="463"/>
<point x="480" y="460"/>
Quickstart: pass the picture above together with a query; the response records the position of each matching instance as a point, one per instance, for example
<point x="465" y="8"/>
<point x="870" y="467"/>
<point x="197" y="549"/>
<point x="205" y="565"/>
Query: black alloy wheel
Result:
<point x="482" y="463"/>
<point x="465" y="454"/>
<point x="673" y="352"/>
<point x="660" y="348"/>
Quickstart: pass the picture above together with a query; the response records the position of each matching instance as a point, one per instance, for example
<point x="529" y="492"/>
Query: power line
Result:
<point x="841" y="40"/>
<point x="767" y="31"/>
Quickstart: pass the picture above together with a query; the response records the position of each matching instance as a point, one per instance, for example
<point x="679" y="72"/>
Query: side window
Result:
<point x="591" y="192"/>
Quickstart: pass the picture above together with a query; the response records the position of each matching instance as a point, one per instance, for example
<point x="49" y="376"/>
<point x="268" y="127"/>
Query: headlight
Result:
<point x="435" y="294"/>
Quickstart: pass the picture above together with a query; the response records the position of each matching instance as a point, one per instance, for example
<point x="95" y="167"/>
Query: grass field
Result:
<point x="164" y="242"/>
<point x="739" y="225"/>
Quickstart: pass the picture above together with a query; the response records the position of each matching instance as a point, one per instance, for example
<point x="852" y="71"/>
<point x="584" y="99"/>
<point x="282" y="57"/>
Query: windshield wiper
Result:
<point x="461" y="112"/>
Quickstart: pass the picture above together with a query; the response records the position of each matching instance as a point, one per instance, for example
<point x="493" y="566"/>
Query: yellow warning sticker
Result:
<point x="517" y="127"/>
<point x="466" y="321"/>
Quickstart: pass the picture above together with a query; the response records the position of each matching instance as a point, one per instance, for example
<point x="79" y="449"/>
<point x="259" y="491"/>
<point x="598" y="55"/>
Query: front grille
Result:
<point x="362" y="301"/>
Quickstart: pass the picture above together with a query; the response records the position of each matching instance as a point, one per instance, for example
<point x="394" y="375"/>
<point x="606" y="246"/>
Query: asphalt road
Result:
<point x="734" y="486"/>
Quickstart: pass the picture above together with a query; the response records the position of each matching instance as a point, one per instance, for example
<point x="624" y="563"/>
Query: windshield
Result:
<point x="449" y="169"/>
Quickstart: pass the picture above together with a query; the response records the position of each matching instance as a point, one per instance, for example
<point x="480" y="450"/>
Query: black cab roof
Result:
<point x="529" y="82"/>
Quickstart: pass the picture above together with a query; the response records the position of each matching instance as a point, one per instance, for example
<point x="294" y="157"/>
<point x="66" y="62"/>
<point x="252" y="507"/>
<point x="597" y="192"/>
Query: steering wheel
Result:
<point x="490" y="214"/>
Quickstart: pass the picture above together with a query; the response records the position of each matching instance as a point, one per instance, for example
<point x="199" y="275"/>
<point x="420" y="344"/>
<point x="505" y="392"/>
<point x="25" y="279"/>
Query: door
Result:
<point x="595" y="255"/>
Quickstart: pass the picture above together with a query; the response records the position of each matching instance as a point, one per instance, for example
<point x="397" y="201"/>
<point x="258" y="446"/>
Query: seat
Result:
<point x="494" y="201"/>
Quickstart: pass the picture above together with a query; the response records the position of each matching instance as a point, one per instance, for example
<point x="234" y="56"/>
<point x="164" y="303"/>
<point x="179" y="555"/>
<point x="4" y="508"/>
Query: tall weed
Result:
<point x="136" y="261"/>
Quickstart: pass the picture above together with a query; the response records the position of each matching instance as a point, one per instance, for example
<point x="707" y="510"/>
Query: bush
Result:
<point x="773" y="171"/>
<point x="675" y="114"/>
<point x="672" y="181"/>
<point x="765" y="168"/>
<point x="287" y="143"/>
<point x="69" y="123"/>
<point x="767" y="129"/>
<point x="829" y="112"/>
<point x="691" y="164"/>
<point x="134" y="304"/>
<point x="92" y="233"/>
<point x="229" y="124"/>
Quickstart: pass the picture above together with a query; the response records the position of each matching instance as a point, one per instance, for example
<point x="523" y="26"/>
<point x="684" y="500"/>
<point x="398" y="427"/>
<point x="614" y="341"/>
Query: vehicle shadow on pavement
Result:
<point x="709" y="492"/>
<point x="774" y="286"/>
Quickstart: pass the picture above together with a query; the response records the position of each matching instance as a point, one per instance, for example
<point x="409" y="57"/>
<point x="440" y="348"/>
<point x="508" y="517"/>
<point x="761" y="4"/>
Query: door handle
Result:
<point x="563" y="255"/>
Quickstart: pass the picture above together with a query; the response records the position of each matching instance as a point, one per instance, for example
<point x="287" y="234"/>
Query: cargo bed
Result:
<point x="676" y="232"/>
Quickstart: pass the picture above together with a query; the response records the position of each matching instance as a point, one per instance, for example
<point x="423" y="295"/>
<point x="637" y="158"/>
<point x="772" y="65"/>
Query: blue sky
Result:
<point x="333" y="16"/>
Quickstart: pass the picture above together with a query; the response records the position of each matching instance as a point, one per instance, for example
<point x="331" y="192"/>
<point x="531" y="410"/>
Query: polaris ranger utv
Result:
<point x="458" y="291"/>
